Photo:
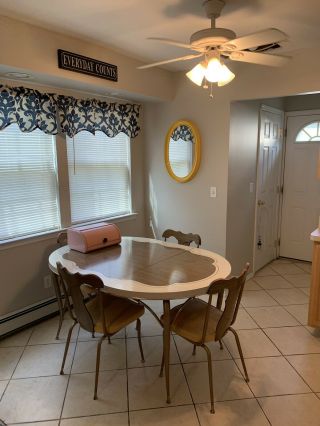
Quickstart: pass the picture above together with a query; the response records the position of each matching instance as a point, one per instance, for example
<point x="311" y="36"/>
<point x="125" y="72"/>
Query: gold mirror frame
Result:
<point x="197" y="150"/>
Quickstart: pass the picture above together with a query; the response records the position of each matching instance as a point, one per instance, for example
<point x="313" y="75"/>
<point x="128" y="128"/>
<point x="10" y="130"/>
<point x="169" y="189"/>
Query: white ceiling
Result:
<point x="125" y="24"/>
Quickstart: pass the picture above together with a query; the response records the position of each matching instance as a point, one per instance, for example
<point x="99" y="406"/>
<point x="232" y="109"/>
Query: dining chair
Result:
<point x="184" y="239"/>
<point x="104" y="314"/>
<point x="62" y="298"/>
<point x="200" y="322"/>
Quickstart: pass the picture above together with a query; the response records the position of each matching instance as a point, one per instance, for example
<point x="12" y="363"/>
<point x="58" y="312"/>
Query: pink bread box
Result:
<point x="92" y="237"/>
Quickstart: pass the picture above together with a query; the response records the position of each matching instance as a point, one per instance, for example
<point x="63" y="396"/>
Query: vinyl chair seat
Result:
<point x="190" y="320"/>
<point x="118" y="313"/>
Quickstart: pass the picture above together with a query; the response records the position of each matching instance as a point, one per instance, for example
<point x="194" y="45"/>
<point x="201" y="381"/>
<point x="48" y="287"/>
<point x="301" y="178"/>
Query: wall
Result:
<point x="187" y="206"/>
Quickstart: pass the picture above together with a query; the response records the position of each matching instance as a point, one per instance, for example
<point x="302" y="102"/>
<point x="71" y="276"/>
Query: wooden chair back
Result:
<point x="183" y="239"/>
<point x="72" y="285"/>
<point x="62" y="238"/>
<point x="234" y="286"/>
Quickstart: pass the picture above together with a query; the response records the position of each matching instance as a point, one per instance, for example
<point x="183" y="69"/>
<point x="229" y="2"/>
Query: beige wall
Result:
<point x="187" y="206"/>
<point x="33" y="49"/>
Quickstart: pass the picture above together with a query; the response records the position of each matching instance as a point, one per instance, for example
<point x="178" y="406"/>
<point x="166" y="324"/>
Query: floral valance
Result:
<point x="182" y="132"/>
<point x="52" y="113"/>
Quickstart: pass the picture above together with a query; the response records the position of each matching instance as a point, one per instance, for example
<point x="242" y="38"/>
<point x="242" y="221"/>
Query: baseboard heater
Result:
<point x="27" y="316"/>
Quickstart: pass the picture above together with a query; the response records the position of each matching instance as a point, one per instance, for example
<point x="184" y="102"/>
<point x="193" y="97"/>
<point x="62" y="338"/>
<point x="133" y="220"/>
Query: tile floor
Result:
<point x="282" y="355"/>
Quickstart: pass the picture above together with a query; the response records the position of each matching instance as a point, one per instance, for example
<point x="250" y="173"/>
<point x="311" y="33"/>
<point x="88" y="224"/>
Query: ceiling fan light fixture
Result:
<point x="197" y="74"/>
<point x="226" y="76"/>
<point x="213" y="70"/>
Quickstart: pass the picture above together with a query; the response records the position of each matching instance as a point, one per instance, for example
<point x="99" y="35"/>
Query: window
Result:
<point x="28" y="183"/>
<point x="310" y="133"/>
<point x="99" y="176"/>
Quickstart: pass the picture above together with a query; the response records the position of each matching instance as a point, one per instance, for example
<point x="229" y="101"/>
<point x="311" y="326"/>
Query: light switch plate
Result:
<point x="213" y="192"/>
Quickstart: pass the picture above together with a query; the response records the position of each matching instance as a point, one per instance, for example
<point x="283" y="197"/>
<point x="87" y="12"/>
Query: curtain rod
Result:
<point x="72" y="90"/>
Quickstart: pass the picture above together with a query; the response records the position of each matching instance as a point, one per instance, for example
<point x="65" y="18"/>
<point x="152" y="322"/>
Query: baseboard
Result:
<point x="28" y="315"/>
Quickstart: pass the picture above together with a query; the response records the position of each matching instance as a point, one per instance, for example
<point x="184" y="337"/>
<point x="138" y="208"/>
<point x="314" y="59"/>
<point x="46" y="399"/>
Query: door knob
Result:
<point x="261" y="203"/>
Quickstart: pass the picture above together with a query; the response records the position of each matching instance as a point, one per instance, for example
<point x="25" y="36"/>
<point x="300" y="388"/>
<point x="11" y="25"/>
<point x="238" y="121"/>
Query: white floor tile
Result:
<point x="152" y="349"/>
<point x="228" y="382"/>
<point x="149" y="327"/>
<point x="148" y="390"/>
<point x="294" y="340"/>
<point x="273" y="376"/>
<point x="173" y="416"/>
<point x="273" y="282"/>
<point x="292" y="410"/>
<point x="244" y="321"/>
<point x="117" y="419"/>
<point x="86" y="335"/>
<point x="185" y="350"/>
<point x="286" y="268"/>
<point x="266" y="270"/>
<point x="251" y="285"/>
<point x="112" y="394"/>
<point x="293" y="296"/>
<point x="308" y="366"/>
<point x="272" y="316"/>
<point x="9" y="358"/>
<point x="254" y="343"/>
<point x="245" y="412"/>
<point x="30" y="400"/>
<point x="305" y="266"/>
<point x="43" y="360"/>
<point x="300" y="312"/>
<point x="46" y="331"/>
<point x="299" y="280"/>
<point x="306" y="291"/>
<point x="113" y="356"/>
<point x="18" y="339"/>
<point x="3" y="384"/>
<point x="49" y="423"/>
<point x="251" y="299"/>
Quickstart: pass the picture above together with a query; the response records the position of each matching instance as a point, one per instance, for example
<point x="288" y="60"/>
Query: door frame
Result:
<point x="286" y="116"/>
<point x="282" y="113"/>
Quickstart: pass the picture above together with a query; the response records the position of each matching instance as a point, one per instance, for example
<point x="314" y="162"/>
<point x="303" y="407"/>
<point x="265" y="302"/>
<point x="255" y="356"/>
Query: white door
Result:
<point x="268" y="186"/>
<point x="301" y="189"/>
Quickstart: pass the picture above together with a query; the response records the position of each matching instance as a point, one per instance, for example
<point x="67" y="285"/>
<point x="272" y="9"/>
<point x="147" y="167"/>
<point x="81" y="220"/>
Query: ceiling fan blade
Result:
<point x="175" y="43"/>
<point x="168" y="61"/>
<point x="260" y="38"/>
<point x="259" y="58"/>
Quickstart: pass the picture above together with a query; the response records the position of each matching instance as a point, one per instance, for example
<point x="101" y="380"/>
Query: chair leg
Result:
<point x="194" y="349"/>
<point x="221" y="345"/>
<point x="240" y="353"/>
<point x="210" y="376"/>
<point x="138" y="328"/>
<point x="98" y="366"/>
<point x="109" y="340"/>
<point x="67" y="347"/>
<point x="57" y="290"/>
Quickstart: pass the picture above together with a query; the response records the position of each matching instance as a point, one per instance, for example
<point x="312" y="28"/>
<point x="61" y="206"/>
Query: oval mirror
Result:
<point x="182" y="150"/>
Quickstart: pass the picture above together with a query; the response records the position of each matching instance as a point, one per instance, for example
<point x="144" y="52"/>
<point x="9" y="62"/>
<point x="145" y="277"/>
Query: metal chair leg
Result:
<point x="194" y="349"/>
<point x="240" y="353"/>
<point x="67" y="347"/>
<point x="210" y="376"/>
<point x="98" y="366"/>
<point x="138" y="327"/>
<point x="57" y="290"/>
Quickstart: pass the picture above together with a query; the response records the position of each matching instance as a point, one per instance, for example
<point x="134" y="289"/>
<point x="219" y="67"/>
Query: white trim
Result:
<point x="271" y="109"/>
<point x="306" y="112"/>
<point x="34" y="238"/>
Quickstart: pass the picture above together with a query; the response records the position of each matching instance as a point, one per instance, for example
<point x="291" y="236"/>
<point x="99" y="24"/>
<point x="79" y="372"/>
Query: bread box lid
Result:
<point x="94" y="236"/>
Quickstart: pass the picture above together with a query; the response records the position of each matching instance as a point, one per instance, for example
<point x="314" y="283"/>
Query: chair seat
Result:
<point x="118" y="313"/>
<point x="190" y="321"/>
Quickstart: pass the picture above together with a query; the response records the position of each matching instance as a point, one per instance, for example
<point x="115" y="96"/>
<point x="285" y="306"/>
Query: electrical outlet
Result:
<point x="47" y="281"/>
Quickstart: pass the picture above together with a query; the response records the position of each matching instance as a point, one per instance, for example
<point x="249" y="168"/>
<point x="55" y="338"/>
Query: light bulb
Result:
<point x="213" y="70"/>
<point x="196" y="74"/>
<point x="226" y="76"/>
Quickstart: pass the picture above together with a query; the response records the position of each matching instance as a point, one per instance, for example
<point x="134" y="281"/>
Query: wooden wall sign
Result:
<point x="84" y="65"/>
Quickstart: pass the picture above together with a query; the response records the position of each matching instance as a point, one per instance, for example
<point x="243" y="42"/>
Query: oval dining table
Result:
<point x="148" y="269"/>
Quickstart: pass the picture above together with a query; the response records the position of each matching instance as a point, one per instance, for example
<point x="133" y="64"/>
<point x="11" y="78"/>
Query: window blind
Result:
<point x="99" y="176"/>
<point x="180" y="157"/>
<point x="28" y="183"/>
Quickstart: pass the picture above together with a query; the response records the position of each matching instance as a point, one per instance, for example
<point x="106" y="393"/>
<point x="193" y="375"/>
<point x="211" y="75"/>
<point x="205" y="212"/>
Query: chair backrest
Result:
<point x="234" y="286"/>
<point x="62" y="238"/>
<point x="183" y="239"/>
<point x="72" y="284"/>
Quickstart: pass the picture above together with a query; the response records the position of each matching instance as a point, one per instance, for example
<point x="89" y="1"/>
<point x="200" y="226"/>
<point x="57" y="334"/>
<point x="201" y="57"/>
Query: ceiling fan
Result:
<point x="214" y="45"/>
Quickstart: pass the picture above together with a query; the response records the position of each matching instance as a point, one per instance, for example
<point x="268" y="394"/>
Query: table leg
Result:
<point x="166" y="345"/>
